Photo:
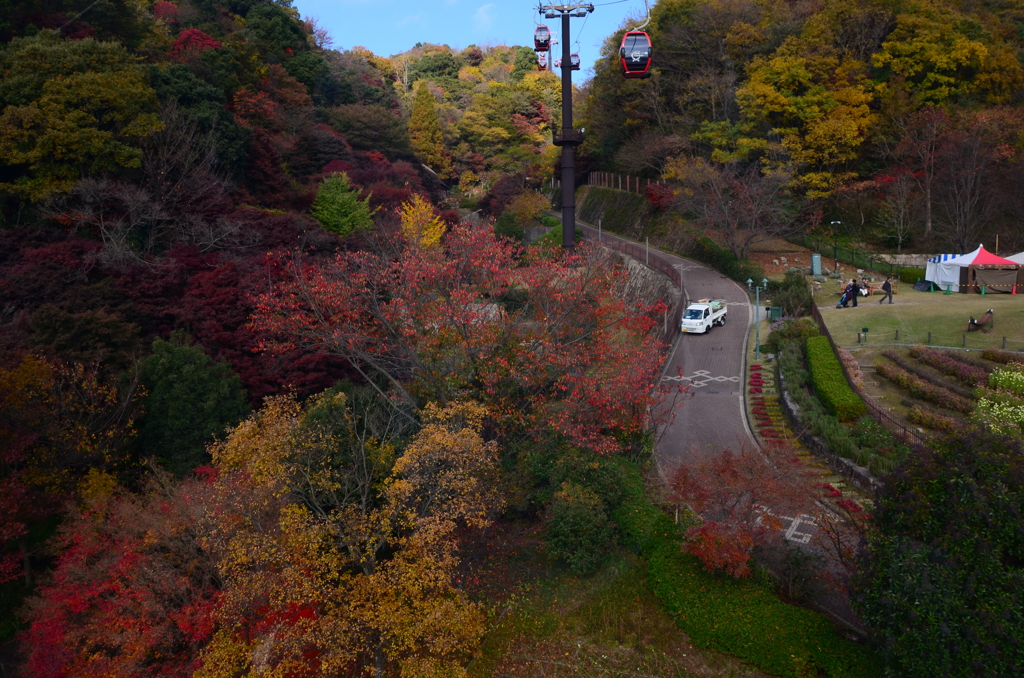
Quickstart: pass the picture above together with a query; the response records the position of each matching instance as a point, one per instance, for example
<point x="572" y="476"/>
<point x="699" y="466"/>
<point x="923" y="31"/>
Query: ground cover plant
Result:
<point x="931" y="376"/>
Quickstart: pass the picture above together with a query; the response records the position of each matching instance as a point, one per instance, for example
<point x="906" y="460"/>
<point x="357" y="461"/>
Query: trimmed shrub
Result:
<point x="579" y="530"/>
<point x="790" y="329"/>
<point x="830" y="383"/>
<point x="1003" y="357"/>
<point x="968" y="374"/>
<point x="917" y="387"/>
<point x="936" y="422"/>
<point x="911" y="275"/>
<point x="922" y="373"/>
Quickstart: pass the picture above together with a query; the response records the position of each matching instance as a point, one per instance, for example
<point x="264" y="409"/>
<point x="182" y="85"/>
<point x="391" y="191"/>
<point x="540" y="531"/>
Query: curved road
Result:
<point x="711" y="365"/>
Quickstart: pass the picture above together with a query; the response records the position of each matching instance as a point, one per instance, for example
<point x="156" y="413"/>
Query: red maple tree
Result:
<point x="548" y="342"/>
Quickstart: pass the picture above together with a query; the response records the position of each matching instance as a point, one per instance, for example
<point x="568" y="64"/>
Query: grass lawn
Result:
<point x="608" y="624"/>
<point x="915" y="314"/>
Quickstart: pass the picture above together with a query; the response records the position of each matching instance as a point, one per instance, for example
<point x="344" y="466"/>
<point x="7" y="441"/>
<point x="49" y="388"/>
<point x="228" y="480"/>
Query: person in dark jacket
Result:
<point x="887" y="288"/>
<point x="854" y="291"/>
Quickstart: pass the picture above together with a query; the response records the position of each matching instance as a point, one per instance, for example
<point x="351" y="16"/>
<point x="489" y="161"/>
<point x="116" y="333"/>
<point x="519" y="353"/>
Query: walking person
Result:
<point x="887" y="289"/>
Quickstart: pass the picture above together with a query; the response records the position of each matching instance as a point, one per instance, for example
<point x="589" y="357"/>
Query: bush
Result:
<point x="506" y="225"/>
<point x="941" y="586"/>
<point x="789" y="329"/>
<point x="931" y="378"/>
<point x="550" y="221"/>
<point x="1003" y="357"/>
<point x="968" y="374"/>
<point x="830" y="383"/>
<point x="1008" y="378"/>
<point x="917" y="387"/>
<point x="936" y="422"/>
<point x="554" y="238"/>
<point x="740" y="617"/>
<point x="579" y="531"/>
<point x="793" y="295"/>
<point x="911" y="275"/>
<point x="705" y="250"/>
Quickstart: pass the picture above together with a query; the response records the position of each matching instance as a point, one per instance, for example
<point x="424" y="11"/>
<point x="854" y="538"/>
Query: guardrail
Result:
<point x="898" y="428"/>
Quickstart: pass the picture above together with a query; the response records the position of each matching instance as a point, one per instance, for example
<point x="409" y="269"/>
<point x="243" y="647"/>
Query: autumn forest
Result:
<point x="285" y="390"/>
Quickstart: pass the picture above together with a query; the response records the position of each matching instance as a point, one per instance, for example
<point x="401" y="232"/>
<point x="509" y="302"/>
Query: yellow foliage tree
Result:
<point x="420" y="223"/>
<point x="341" y="553"/>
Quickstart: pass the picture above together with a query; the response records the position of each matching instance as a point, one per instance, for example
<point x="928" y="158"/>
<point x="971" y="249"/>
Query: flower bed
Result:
<point x="933" y="420"/>
<point x="1009" y="378"/>
<point x="1001" y="418"/>
<point x="968" y="374"/>
<point x="1003" y="357"/>
<point x="937" y="395"/>
<point x="931" y="378"/>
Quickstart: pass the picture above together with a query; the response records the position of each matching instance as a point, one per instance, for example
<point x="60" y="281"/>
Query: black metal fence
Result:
<point x="851" y="257"/>
<point x="900" y="429"/>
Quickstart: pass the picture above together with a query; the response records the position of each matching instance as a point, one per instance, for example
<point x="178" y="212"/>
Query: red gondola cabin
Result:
<point x="542" y="62"/>
<point x="636" y="55"/>
<point x="574" y="61"/>
<point x="541" y="39"/>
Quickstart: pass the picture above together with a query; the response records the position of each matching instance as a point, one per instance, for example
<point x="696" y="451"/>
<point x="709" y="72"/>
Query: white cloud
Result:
<point x="482" y="19"/>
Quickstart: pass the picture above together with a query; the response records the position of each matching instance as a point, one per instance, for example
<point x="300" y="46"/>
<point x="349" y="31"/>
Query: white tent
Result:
<point x="973" y="269"/>
<point x="935" y="273"/>
<point x="1017" y="258"/>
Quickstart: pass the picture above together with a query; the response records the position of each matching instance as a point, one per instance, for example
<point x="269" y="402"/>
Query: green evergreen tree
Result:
<point x="425" y="132"/>
<point x="190" y="399"/>
<point x="525" y="62"/>
<point x="338" y="208"/>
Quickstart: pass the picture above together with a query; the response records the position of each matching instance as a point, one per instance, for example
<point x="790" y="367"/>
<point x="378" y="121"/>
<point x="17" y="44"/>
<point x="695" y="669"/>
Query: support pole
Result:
<point x="568" y="151"/>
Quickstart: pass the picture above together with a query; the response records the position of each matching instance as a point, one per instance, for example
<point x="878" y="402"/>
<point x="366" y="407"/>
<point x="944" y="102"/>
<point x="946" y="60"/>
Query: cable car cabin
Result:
<point x="541" y="39"/>
<point x="636" y="55"/>
<point x="557" y="63"/>
<point x="574" y="61"/>
<point x="542" y="62"/>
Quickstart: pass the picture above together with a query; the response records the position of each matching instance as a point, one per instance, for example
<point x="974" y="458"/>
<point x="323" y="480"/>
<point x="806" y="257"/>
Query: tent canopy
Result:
<point x="946" y="272"/>
<point x="1017" y="258"/>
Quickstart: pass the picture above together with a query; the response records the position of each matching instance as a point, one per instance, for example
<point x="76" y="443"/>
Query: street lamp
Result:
<point x="757" y="313"/>
<point x="835" y="244"/>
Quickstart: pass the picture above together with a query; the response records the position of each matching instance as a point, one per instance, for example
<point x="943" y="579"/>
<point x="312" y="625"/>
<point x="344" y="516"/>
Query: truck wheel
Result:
<point x="723" y="321"/>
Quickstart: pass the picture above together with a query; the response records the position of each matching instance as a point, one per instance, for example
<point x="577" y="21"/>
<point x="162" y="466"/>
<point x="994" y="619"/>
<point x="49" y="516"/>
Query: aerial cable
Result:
<point x="648" y="20"/>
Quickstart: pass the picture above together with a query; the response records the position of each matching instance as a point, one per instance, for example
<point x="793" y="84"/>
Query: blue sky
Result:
<point x="388" y="27"/>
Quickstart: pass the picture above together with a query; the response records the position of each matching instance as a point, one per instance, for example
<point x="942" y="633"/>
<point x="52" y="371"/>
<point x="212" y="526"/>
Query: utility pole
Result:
<point x="568" y="138"/>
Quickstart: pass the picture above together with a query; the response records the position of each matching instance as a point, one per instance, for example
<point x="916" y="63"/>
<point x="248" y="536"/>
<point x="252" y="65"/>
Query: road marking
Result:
<point x="700" y="378"/>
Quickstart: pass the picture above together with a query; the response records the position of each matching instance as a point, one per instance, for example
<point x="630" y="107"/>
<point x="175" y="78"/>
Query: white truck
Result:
<point x="703" y="314"/>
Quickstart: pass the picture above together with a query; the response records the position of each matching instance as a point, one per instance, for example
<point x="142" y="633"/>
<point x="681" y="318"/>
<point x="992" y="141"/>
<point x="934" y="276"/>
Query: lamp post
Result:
<point x="835" y="244"/>
<point x="757" y="313"/>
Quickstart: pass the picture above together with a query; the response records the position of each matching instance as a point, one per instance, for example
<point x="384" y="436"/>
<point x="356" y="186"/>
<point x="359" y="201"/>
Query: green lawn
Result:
<point x="915" y="314"/>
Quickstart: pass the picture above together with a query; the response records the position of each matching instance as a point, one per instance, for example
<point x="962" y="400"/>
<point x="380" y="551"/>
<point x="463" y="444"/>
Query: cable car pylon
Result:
<point x="568" y="138"/>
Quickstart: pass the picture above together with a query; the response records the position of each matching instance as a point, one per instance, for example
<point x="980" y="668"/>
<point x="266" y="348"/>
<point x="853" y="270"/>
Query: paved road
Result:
<point x="711" y="365"/>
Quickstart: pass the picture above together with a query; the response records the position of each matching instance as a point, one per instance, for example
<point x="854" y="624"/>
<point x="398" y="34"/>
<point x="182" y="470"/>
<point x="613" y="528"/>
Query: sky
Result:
<point x="387" y="27"/>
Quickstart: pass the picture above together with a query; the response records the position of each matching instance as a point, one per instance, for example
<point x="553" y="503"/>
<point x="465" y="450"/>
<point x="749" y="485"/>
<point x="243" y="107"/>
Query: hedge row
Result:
<point x="934" y="379"/>
<point x="1004" y="357"/>
<point x="919" y="388"/>
<point x="948" y="365"/>
<point x="742" y="618"/>
<point x="830" y="383"/>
